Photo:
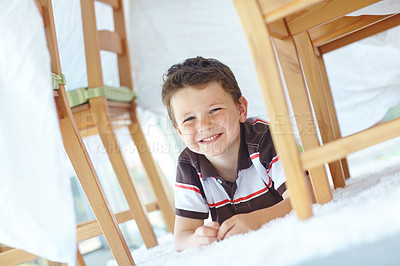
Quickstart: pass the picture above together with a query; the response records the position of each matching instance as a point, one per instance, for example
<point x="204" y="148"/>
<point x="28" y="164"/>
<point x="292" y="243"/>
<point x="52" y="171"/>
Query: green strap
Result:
<point x="57" y="80"/>
<point x="82" y="95"/>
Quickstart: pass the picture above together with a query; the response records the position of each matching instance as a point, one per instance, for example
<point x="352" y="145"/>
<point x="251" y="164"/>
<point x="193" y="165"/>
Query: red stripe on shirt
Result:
<point x="273" y="161"/>
<point x="239" y="199"/>
<point x="269" y="169"/>
<point x="251" y="195"/>
<point x="252" y="157"/>
<point x="188" y="187"/>
<point x="269" y="181"/>
<point x="259" y="121"/>
<point x="220" y="203"/>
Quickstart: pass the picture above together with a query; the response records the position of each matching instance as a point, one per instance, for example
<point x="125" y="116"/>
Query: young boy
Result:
<point x="229" y="168"/>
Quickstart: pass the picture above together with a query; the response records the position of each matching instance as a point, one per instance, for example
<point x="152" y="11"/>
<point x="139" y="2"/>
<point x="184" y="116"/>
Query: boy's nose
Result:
<point x="205" y="123"/>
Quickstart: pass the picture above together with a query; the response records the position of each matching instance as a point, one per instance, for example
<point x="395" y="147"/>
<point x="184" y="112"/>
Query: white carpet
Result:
<point x="367" y="210"/>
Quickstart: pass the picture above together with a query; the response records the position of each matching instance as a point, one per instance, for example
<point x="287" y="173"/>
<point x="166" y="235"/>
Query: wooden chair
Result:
<point x="328" y="37"/>
<point x="106" y="223"/>
<point x="101" y="115"/>
<point x="13" y="256"/>
<point x="283" y="25"/>
<point x="321" y="39"/>
<point x="80" y="160"/>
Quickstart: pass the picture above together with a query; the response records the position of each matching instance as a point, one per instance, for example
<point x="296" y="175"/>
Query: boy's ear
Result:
<point x="242" y="109"/>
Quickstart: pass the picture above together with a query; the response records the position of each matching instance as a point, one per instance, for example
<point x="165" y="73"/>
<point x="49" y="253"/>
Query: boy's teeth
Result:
<point x="211" y="138"/>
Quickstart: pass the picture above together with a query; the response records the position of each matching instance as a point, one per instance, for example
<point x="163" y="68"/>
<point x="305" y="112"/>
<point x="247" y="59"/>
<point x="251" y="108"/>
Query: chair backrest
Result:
<point x="113" y="41"/>
<point x="79" y="157"/>
<point x="345" y="30"/>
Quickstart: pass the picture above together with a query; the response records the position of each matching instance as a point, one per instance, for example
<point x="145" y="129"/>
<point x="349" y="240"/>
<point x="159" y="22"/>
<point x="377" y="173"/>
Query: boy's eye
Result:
<point x="188" y="119"/>
<point x="214" y="110"/>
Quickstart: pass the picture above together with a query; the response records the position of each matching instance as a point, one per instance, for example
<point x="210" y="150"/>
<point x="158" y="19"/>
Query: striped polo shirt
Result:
<point x="260" y="181"/>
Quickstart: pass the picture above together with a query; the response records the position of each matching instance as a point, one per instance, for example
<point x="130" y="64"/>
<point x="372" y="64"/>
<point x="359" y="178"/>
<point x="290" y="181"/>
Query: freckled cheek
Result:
<point x="187" y="129"/>
<point x="229" y="122"/>
<point x="188" y="132"/>
<point x="190" y="141"/>
<point x="221" y="120"/>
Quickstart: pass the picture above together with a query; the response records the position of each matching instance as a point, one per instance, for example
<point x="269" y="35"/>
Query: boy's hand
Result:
<point x="238" y="224"/>
<point x="205" y="234"/>
<point x="242" y="223"/>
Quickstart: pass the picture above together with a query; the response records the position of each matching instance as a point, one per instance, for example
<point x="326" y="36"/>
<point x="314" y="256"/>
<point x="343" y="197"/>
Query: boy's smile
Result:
<point x="208" y="119"/>
<point x="211" y="139"/>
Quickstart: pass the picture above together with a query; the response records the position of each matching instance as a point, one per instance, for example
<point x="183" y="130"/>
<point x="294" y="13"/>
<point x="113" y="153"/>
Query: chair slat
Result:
<point x="114" y="3"/>
<point x="382" y="25"/>
<point x="16" y="257"/>
<point x="110" y="41"/>
<point x="346" y="145"/>
<point x="341" y="27"/>
<point x="323" y="12"/>
<point x="274" y="10"/>
<point x="92" y="229"/>
<point x="92" y="47"/>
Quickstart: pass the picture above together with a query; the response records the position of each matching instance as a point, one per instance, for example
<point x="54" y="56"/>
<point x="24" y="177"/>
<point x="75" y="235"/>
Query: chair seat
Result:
<point x="82" y="95"/>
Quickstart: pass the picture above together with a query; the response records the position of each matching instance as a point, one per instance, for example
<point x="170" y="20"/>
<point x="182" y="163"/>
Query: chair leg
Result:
<point x="99" y="111"/>
<point x="79" y="258"/>
<point x="152" y="172"/>
<point x="90" y="183"/>
<point x="315" y="87"/>
<point x="297" y="91"/>
<point x="274" y="97"/>
<point x="4" y="248"/>
<point x="53" y="263"/>
<point x="332" y="110"/>
<point x="14" y="256"/>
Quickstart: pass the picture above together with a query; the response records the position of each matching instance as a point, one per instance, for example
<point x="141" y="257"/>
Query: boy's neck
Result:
<point x="226" y="163"/>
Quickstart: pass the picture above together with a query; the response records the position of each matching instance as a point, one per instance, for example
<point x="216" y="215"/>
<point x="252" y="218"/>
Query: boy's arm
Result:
<point x="242" y="223"/>
<point x="193" y="233"/>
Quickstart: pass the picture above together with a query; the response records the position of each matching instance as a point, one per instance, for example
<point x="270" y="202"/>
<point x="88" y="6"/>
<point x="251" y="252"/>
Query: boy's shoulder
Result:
<point x="257" y="121"/>
<point x="257" y="136"/>
<point x="188" y="157"/>
<point x="255" y="129"/>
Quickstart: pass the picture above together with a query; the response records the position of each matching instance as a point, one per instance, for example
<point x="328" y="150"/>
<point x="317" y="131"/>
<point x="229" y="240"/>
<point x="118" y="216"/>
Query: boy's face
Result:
<point x="208" y="119"/>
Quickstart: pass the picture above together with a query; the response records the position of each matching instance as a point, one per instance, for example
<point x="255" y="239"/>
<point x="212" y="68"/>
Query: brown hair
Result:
<point x="194" y="72"/>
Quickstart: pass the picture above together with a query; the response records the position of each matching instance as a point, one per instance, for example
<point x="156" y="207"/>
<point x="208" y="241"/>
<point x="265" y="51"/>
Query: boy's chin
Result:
<point x="212" y="154"/>
<point x="209" y="151"/>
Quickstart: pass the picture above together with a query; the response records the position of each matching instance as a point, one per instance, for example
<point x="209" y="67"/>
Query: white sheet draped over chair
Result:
<point x="36" y="209"/>
<point x="36" y="204"/>
<point x="365" y="79"/>
<point x="162" y="33"/>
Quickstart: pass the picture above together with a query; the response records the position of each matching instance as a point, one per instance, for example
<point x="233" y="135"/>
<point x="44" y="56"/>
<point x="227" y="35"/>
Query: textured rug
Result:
<point x="367" y="210"/>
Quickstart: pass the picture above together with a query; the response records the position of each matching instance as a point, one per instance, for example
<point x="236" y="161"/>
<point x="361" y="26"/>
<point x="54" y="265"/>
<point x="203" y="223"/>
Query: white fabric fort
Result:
<point x="36" y="207"/>
<point x="161" y="33"/>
